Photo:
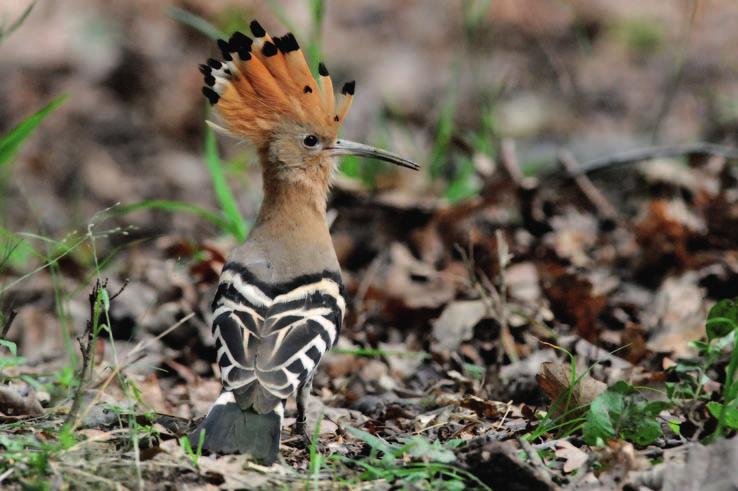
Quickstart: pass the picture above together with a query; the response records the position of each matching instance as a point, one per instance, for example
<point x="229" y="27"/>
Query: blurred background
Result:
<point x="437" y="82"/>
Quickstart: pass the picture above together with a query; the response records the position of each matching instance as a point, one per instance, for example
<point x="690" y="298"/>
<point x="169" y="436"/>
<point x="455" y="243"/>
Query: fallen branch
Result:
<point x="536" y="460"/>
<point x="660" y="152"/>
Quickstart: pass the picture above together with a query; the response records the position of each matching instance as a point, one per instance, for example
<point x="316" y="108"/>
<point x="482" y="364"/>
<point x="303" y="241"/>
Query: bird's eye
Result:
<point x="310" y="141"/>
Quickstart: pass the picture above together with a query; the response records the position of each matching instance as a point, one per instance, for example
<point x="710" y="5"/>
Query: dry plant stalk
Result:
<point x="86" y="341"/>
<point x="8" y="322"/>
<point x="494" y="298"/>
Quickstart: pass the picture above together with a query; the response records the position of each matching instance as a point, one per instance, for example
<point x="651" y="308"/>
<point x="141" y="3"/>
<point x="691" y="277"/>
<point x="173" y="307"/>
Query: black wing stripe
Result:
<point x="314" y="354"/>
<point x="247" y="322"/>
<point x="274" y="336"/>
<point x="236" y="340"/>
<point x="281" y="323"/>
<point x="227" y="291"/>
<point x="275" y="289"/>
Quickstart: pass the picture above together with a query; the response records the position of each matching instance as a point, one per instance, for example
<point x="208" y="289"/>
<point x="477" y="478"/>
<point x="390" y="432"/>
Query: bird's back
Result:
<point x="271" y="335"/>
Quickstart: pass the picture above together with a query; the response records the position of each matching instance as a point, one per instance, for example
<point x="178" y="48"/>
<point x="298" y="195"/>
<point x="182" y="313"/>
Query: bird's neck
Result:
<point x="296" y="203"/>
<point x="291" y="227"/>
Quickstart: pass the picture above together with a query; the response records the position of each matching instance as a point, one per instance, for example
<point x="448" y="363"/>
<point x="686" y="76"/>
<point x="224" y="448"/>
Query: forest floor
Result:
<point x="550" y="304"/>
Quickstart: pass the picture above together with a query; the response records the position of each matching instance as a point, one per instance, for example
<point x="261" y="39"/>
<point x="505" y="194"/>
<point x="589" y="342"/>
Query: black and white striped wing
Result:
<point x="299" y="327"/>
<point x="270" y="338"/>
<point x="239" y="310"/>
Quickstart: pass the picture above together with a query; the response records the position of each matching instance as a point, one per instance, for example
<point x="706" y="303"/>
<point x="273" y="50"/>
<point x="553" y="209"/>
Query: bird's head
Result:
<point x="264" y="92"/>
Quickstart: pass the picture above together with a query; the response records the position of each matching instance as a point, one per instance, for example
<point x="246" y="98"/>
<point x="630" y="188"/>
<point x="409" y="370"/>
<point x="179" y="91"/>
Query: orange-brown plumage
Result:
<point x="265" y="83"/>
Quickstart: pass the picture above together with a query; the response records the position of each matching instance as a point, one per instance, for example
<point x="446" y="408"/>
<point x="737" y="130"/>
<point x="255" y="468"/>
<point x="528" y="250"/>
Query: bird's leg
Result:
<point x="302" y="398"/>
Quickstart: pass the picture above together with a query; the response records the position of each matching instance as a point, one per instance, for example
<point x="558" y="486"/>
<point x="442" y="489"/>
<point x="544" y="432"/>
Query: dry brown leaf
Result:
<point x="457" y="321"/>
<point x="676" y="316"/>
<point x="574" y="458"/>
<point x="19" y="400"/>
<point x="555" y="379"/>
<point x="417" y="284"/>
<point x="573" y="298"/>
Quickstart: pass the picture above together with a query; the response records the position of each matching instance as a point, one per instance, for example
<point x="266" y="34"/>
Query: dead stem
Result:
<point x="494" y="297"/>
<point x="8" y="322"/>
<point x="86" y="341"/>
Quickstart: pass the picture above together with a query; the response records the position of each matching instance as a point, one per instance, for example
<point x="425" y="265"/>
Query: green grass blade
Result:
<point x="368" y="352"/>
<point x="281" y="14"/>
<point x="316" y="459"/>
<point x="315" y="48"/>
<point x="196" y="22"/>
<point x="174" y="207"/>
<point x="445" y="127"/>
<point x="5" y="32"/>
<point x="10" y="143"/>
<point x="236" y="223"/>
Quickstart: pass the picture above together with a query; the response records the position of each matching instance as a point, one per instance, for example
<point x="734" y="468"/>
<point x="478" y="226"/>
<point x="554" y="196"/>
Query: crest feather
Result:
<point x="263" y="81"/>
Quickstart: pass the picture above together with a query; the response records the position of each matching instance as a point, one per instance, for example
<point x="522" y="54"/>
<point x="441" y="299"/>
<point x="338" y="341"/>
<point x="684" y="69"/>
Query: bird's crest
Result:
<point x="264" y="82"/>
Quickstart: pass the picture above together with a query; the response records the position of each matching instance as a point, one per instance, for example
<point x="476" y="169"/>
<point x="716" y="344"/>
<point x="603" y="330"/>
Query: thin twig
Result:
<point x="86" y="342"/>
<point x="85" y="346"/>
<point x="509" y="161"/>
<point x="504" y="416"/>
<point x="676" y="80"/>
<point x="494" y="298"/>
<point x="8" y="321"/>
<point x="590" y="191"/>
<point x="5" y="474"/>
<point x="663" y="151"/>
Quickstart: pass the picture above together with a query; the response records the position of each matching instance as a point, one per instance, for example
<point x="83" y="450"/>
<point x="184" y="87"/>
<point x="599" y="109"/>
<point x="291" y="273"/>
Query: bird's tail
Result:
<point x="230" y="429"/>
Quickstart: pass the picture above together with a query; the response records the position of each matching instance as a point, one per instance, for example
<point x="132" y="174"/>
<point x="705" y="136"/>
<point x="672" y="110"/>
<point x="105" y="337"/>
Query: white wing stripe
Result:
<point x="325" y="286"/>
<point x="248" y="291"/>
<point x="229" y="305"/>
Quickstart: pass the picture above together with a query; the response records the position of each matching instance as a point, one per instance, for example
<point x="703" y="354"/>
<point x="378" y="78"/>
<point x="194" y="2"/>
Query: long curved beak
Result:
<point x="346" y="147"/>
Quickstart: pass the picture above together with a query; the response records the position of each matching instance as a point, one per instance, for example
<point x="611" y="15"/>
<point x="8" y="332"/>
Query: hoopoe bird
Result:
<point x="280" y="300"/>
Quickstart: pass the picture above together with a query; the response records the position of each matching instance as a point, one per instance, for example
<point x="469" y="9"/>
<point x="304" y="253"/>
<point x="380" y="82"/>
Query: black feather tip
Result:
<point x="209" y="80"/>
<point x="239" y="41"/>
<point x="269" y="49"/>
<point x="244" y="54"/>
<point x="348" y="88"/>
<point x="224" y="49"/>
<point x="205" y="70"/>
<point x="322" y="70"/>
<point x="289" y="43"/>
<point x="256" y="29"/>
<point x="211" y="95"/>
<point x="278" y="43"/>
<point x="213" y="63"/>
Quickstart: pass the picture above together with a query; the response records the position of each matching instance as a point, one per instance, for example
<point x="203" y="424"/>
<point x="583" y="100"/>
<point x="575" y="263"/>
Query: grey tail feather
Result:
<point x="230" y="429"/>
